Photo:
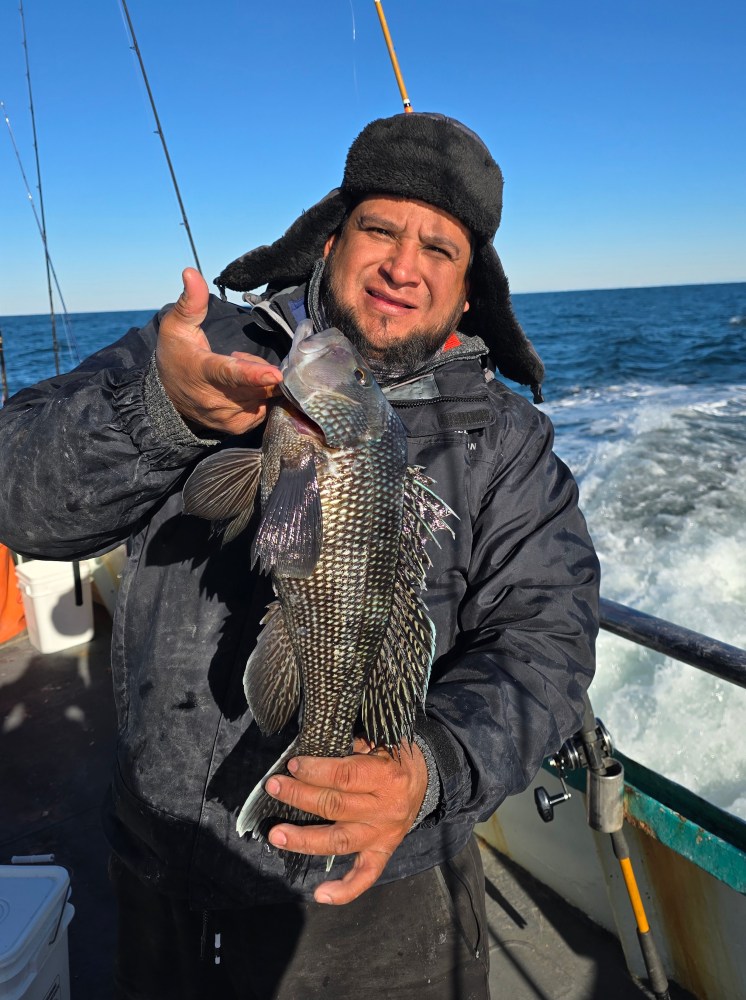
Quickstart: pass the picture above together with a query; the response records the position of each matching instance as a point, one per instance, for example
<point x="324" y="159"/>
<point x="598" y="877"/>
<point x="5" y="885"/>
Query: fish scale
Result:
<point x="337" y="617"/>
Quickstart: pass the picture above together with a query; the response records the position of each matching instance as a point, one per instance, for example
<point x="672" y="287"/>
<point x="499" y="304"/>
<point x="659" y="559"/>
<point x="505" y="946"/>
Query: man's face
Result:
<point x="397" y="275"/>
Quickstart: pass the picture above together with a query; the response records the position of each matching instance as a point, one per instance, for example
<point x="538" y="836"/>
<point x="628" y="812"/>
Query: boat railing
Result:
<point x="683" y="644"/>
<point x="710" y="837"/>
<point x="622" y="794"/>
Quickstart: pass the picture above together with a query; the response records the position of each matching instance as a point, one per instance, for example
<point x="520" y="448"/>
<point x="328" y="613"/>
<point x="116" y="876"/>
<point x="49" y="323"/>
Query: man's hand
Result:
<point x="214" y="391"/>
<point x="371" y="800"/>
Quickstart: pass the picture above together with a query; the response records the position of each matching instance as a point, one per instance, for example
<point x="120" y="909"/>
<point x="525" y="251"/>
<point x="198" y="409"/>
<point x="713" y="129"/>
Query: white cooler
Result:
<point x="34" y="917"/>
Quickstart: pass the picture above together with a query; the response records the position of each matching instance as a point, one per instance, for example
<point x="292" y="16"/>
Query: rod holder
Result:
<point x="605" y="798"/>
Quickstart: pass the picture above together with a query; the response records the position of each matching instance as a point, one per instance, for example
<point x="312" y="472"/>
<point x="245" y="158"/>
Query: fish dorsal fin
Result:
<point x="223" y="488"/>
<point x="272" y="680"/>
<point x="397" y="683"/>
<point x="289" y="537"/>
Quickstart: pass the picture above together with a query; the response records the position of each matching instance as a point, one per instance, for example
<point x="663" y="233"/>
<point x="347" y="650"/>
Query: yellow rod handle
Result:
<point x="392" y="55"/>
<point x="634" y="895"/>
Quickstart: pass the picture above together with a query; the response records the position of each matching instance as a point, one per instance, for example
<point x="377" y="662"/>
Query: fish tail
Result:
<point x="261" y="812"/>
<point x="260" y="807"/>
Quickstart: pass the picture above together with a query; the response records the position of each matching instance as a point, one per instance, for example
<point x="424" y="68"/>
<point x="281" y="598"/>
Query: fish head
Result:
<point x="326" y="378"/>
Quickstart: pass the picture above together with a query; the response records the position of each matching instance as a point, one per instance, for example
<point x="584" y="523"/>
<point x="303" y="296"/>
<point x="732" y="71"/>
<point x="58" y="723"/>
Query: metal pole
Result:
<point x="55" y="345"/>
<point x="159" y="132"/>
<point x="392" y="55"/>
<point x="715" y="657"/>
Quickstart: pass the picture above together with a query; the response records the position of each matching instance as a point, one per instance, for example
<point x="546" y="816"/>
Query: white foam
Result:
<point x="662" y="474"/>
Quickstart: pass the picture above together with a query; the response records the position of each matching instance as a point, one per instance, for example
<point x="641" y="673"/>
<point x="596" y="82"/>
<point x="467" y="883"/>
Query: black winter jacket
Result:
<point x="513" y="598"/>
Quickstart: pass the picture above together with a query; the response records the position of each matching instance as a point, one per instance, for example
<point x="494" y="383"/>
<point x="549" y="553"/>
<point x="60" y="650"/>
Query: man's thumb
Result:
<point x="191" y="307"/>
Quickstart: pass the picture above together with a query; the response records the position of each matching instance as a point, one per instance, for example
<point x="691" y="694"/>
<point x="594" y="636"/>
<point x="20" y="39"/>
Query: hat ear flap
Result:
<point x="289" y="260"/>
<point x="491" y="317"/>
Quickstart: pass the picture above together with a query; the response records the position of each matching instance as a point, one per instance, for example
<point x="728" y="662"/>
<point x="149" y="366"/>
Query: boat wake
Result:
<point x="662" y="473"/>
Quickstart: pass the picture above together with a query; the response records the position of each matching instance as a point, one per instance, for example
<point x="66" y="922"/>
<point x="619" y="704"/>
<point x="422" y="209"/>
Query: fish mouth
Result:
<point x="301" y="421"/>
<point x="295" y="406"/>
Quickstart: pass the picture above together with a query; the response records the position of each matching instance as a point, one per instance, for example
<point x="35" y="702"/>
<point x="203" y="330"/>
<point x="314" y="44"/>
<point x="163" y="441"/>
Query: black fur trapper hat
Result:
<point x="431" y="158"/>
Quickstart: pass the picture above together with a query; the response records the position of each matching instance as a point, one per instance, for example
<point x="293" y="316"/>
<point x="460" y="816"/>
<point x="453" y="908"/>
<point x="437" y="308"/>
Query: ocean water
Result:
<point x="647" y="392"/>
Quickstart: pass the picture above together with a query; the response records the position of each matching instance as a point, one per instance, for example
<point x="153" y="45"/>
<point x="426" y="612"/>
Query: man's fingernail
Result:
<point x="293" y="765"/>
<point x="272" y="786"/>
<point x="269" y="379"/>
<point x="278" y="838"/>
<point x="323" y="897"/>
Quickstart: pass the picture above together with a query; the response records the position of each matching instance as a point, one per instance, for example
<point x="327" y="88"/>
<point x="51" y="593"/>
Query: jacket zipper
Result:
<point x="410" y="403"/>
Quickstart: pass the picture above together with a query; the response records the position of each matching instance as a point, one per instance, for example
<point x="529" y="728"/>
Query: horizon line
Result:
<point x="546" y="291"/>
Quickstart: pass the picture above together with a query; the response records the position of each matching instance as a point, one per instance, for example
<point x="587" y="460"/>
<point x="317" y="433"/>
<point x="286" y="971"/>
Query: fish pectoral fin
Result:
<point x="289" y="537"/>
<point x="223" y="488"/>
<point x="272" y="679"/>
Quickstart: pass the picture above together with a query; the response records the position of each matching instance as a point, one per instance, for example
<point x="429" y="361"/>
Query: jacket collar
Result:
<point x="286" y="308"/>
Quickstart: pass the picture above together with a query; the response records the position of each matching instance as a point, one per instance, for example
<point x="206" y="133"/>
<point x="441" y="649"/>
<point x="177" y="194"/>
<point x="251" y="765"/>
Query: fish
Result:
<point x="343" y="533"/>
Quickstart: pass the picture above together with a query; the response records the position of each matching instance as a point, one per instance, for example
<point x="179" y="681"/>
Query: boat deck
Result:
<point x="57" y="733"/>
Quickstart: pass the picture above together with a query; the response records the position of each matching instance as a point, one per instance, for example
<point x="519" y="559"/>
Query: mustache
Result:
<point x="405" y="355"/>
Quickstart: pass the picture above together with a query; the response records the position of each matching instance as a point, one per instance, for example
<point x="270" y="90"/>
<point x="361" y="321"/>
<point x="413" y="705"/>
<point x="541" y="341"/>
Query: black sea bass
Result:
<point x="343" y="531"/>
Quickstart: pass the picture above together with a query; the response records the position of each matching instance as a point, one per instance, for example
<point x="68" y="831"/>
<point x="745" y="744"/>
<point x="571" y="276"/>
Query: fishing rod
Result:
<point x="3" y="373"/>
<point x="69" y="335"/>
<point x="55" y="344"/>
<point x="42" y="224"/>
<point x="392" y="55"/>
<point x="159" y="132"/>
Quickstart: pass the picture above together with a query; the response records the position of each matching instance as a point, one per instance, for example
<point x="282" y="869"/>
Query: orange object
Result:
<point x="634" y="895"/>
<point x="12" y="618"/>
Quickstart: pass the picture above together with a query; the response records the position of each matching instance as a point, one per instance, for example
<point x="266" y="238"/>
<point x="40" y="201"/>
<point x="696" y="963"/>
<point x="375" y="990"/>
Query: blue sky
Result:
<point x="620" y="129"/>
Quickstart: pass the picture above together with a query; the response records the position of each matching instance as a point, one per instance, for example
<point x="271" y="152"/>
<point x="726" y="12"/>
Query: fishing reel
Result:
<point x="588" y="748"/>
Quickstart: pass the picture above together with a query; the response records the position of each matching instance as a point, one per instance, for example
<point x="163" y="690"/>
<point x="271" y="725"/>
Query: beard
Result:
<point x="406" y="354"/>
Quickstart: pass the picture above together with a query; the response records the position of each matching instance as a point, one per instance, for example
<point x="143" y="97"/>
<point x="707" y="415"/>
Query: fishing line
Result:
<point x="352" y="12"/>
<point x="354" y="60"/>
<point x="72" y="346"/>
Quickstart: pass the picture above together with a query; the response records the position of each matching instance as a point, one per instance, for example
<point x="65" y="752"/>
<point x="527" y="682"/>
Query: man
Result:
<point x="401" y="259"/>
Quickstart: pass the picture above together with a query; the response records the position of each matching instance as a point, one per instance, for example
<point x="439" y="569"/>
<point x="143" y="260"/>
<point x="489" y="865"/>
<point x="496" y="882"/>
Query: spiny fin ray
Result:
<point x="397" y="683"/>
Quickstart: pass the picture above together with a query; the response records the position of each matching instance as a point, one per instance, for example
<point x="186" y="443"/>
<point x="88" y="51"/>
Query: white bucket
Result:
<point x="34" y="917"/>
<point x="55" y="621"/>
<point x="106" y="574"/>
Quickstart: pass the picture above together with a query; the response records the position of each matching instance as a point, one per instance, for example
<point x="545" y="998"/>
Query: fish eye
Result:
<point x="361" y="376"/>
